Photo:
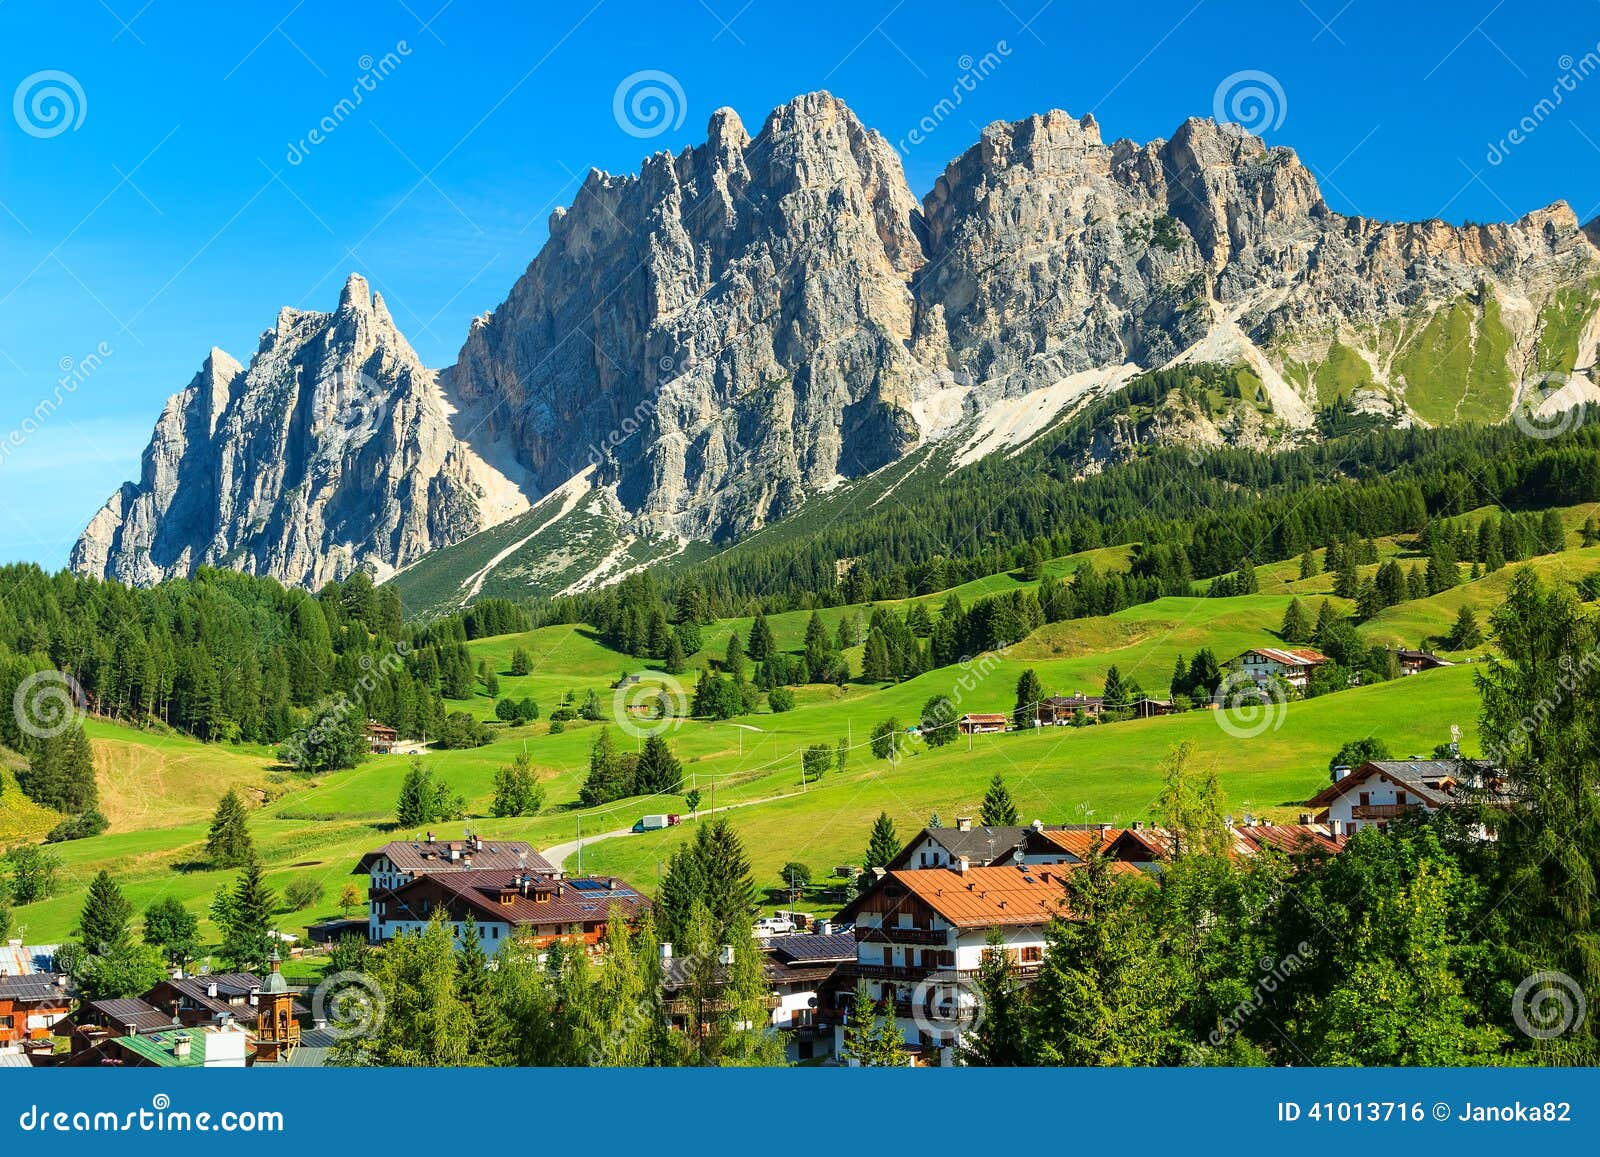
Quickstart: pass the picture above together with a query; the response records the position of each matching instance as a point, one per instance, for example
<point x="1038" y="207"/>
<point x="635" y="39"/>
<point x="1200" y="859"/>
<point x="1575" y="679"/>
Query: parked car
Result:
<point x="774" y="926"/>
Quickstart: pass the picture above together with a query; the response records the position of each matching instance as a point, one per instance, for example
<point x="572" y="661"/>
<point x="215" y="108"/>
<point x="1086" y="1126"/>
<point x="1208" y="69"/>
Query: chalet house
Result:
<point x="193" y="1001"/>
<point x="1416" y="662"/>
<point x="809" y="974"/>
<point x="983" y="846"/>
<point x="1147" y="847"/>
<point x="514" y="904"/>
<point x="921" y="935"/>
<point x="978" y="724"/>
<point x="30" y="1008"/>
<point x="398" y="863"/>
<point x="1386" y="789"/>
<point x="1060" y="710"/>
<point x="381" y="739"/>
<point x="1293" y="665"/>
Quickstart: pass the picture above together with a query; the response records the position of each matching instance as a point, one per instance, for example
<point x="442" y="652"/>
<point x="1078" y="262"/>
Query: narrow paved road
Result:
<point x="558" y="854"/>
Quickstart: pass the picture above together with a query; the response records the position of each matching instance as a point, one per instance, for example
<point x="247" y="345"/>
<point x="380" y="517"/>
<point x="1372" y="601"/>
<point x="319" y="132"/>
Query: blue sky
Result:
<point x="180" y="202"/>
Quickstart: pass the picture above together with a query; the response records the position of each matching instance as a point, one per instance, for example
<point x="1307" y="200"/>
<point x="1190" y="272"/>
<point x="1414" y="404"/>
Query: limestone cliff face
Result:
<point x="333" y="451"/>
<point x="1051" y="252"/>
<point x="723" y="332"/>
<point x="757" y="319"/>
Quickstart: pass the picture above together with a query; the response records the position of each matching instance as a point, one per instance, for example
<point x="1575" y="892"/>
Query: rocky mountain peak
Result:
<point x="750" y="321"/>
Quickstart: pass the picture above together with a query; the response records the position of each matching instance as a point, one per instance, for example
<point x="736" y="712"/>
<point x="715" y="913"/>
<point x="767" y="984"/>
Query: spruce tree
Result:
<point x="228" y="844"/>
<point x="1296" y="623"/>
<point x="245" y="917"/>
<point x="103" y="922"/>
<point x="1029" y="692"/>
<point x="998" y="811"/>
<point x="883" y="844"/>
<point x="761" y="644"/>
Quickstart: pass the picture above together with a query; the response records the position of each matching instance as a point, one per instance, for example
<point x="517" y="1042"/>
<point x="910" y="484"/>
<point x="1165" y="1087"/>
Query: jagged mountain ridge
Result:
<point x="759" y="319"/>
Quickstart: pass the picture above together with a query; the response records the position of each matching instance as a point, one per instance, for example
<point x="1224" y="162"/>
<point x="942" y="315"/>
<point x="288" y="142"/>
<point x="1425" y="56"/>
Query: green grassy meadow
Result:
<point x="159" y="790"/>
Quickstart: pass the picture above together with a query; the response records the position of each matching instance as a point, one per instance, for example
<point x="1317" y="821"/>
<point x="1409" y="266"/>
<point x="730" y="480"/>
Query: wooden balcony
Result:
<point x="938" y="937"/>
<point x="1381" y="811"/>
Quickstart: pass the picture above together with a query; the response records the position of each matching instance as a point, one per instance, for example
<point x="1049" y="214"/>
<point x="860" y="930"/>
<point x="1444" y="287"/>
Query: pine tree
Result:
<point x="674" y="660"/>
<point x="883" y="844"/>
<point x="1115" y="691"/>
<point x="1029" y="693"/>
<point x="998" y="811"/>
<point x="244" y="915"/>
<point x="761" y="643"/>
<point x="605" y="773"/>
<point x="1327" y="620"/>
<point x="228" y="844"/>
<point x="521" y="664"/>
<point x="659" y="772"/>
<point x="103" y="923"/>
<point x="1466" y="633"/>
<point x="60" y="775"/>
<point x="1296" y="623"/>
<point x="1308" y="564"/>
<point x="1552" y="535"/>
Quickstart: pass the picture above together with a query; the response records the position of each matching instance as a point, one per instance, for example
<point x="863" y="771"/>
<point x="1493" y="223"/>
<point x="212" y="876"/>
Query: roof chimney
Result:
<point x="430" y="837"/>
<point x="666" y="950"/>
<point x="211" y="989"/>
<point x="963" y="823"/>
<point x="1336" y="828"/>
<point x="180" y="1044"/>
<point x="962" y="864"/>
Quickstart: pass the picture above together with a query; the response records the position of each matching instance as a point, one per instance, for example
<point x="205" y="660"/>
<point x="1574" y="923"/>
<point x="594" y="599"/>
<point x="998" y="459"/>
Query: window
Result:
<point x="1366" y="798"/>
<point x="1400" y="797"/>
<point x="1032" y="954"/>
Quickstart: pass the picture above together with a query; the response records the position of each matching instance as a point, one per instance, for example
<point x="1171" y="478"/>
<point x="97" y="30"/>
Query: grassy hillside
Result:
<point x="159" y="790"/>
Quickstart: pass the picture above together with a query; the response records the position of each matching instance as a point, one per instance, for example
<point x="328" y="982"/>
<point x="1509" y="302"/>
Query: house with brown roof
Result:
<point x="30" y="1008"/>
<point x="1415" y="662"/>
<point x="921" y="935"/>
<point x="1291" y="664"/>
<point x="978" y="723"/>
<point x="1063" y="710"/>
<point x="381" y="739"/>
<point x="399" y="862"/>
<point x="1384" y="790"/>
<point x="506" y="905"/>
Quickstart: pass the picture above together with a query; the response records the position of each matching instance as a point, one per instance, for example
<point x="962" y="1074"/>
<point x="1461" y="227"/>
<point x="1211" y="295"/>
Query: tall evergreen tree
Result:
<point x="883" y="844"/>
<point x="761" y="643"/>
<point x="998" y="811"/>
<point x="1029" y="692"/>
<point x="228" y="844"/>
<point x="1296" y="623"/>
<point x="103" y="922"/>
<point x="244" y="915"/>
